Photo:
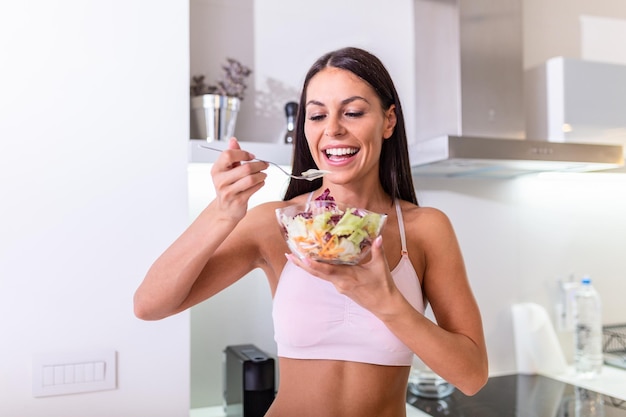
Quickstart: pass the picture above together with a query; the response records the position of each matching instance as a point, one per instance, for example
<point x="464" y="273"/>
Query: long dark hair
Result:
<point x="395" y="169"/>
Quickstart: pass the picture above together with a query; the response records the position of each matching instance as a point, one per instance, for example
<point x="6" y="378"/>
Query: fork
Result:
<point x="309" y="175"/>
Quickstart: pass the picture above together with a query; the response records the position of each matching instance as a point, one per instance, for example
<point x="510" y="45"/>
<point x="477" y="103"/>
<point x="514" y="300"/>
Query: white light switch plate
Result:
<point x="76" y="372"/>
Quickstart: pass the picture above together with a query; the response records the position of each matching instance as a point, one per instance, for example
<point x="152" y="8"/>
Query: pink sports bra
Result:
<point x="313" y="321"/>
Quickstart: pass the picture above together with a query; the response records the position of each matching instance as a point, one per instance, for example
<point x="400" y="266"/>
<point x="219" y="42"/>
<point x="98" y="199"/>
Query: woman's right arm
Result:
<point x="192" y="268"/>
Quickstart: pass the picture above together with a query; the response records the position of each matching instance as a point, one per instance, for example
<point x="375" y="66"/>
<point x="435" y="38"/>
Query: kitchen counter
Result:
<point x="219" y="412"/>
<point x="611" y="382"/>
<point x="533" y="395"/>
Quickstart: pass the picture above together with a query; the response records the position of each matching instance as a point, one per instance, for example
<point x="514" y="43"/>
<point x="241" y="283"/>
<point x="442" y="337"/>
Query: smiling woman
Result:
<point x="344" y="326"/>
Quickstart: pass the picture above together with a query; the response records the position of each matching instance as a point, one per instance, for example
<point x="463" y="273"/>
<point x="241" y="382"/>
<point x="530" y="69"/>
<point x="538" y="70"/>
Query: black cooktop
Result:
<point x="523" y="396"/>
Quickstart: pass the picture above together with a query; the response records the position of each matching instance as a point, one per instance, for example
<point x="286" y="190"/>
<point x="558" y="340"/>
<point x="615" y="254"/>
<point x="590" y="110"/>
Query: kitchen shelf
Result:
<point x="279" y="153"/>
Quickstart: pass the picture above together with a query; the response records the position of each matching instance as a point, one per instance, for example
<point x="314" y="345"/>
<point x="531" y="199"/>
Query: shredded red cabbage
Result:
<point x="325" y="196"/>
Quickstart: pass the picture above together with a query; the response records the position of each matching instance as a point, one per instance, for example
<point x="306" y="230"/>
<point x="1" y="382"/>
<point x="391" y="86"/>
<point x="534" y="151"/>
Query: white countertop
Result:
<point x="612" y="382"/>
<point x="219" y="412"/>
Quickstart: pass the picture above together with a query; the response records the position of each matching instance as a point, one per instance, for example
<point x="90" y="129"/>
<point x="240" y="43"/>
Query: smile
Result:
<point x="338" y="153"/>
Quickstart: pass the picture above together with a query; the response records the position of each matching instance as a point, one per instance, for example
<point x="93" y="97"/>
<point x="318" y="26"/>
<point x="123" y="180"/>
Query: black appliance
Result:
<point x="249" y="381"/>
<point x="523" y="396"/>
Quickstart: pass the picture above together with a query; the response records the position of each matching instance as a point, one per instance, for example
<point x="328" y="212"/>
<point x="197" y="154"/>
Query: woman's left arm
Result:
<point x="454" y="347"/>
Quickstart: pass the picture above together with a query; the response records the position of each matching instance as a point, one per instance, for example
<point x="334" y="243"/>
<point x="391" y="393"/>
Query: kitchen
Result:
<point x="518" y="236"/>
<point x="550" y="223"/>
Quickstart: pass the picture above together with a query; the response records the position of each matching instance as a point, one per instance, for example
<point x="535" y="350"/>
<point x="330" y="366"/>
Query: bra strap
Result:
<point x="401" y="227"/>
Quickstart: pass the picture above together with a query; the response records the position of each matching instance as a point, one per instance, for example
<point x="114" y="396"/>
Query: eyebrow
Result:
<point x="343" y="102"/>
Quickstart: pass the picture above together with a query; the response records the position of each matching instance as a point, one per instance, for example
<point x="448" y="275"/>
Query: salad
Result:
<point x="328" y="231"/>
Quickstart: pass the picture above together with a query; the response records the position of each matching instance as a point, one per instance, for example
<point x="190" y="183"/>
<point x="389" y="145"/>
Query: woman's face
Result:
<point x="345" y="124"/>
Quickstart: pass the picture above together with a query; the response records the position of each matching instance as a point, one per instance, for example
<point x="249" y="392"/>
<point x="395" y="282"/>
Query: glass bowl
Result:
<point x="330" y="231"/>
<point x="427" y="384"/>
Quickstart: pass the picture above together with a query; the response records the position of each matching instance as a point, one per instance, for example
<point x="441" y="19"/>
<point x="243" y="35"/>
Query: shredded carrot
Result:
<point x="330" y="248"/>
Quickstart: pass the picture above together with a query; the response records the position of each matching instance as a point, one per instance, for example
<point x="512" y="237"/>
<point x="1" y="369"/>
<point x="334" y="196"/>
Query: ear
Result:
<point x="390" y="121"/>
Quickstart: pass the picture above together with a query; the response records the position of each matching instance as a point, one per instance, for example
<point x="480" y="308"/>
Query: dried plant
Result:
<point x="232" y="84"/>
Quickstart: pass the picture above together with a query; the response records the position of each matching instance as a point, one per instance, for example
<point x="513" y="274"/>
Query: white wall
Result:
<point x="286" y="44"/>
<point x="93" y="130"/>
<point x="553" y="28"/>
<point x="519" y="237"/>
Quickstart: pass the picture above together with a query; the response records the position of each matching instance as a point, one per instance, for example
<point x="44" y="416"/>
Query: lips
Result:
<point x="340" y="154"/>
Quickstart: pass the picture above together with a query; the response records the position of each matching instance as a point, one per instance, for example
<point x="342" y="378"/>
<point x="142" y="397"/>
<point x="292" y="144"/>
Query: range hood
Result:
<point x="456" y="156"/>
<point x="471" y="100"/>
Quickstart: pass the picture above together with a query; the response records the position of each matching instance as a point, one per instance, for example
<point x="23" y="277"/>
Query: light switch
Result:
<point x="48" y="375"/>
<point x="58" y="375"/>
<point x="79" y="373"/>
<point x="88" y="372"/>
<point x="98" y="371"/>
<point x="69" y="373"/>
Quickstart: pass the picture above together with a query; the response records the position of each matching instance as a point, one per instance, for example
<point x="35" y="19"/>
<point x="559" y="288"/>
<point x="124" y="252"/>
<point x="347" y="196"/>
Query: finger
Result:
<point x="245" y="156"/>
<point x="318" y="269"/>
<point x="233" y="156"/>
<point x="232" y="183"/>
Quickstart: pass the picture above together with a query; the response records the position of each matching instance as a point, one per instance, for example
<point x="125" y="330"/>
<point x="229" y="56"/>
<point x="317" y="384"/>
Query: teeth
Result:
<point x="341" y="151"/>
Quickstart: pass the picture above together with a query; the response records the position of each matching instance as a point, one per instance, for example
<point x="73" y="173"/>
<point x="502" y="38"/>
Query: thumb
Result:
<point x="233" y="144"/>
<point x="378" y="258"/>
<point x="377" y="248"/>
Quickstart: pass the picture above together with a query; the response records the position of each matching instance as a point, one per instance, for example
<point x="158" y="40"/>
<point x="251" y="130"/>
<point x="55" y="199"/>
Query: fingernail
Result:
<point x="378" y="241"/>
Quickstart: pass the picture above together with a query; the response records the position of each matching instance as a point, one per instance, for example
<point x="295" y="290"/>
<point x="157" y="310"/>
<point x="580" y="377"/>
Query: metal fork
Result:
<point x="309" y="175"/>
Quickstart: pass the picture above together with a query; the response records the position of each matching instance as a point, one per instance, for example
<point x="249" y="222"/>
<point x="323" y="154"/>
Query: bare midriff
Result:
<point x="329" y="388"/>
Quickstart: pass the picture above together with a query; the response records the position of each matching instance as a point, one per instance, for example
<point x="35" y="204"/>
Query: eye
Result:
<point x="316" y="117"/>
<point x="354" y="114"/>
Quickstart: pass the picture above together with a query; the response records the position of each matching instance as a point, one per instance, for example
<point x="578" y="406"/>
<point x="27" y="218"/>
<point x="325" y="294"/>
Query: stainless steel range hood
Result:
<point x="455" y="156"/>
<point x="470" y="97"/>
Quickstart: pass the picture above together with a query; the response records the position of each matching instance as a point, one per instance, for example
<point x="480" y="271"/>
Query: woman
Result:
<point x="346" y="335"/>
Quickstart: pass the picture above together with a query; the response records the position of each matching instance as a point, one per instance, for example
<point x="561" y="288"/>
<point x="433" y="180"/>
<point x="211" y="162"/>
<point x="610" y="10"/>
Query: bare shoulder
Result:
<point x="430" y="236"/>
<point x="261" y="218"/>
<point x="260" y="227"/>
<point x="266" y="211"/>
<point x="420" y="221"/>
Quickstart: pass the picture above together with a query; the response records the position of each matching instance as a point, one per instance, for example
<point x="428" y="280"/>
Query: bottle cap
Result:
<point x="291" y="108"/>
<point x="586" y="280"/>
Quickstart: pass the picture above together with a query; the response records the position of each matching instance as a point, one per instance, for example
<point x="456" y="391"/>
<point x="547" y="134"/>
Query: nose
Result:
<point x="333" y="127"/>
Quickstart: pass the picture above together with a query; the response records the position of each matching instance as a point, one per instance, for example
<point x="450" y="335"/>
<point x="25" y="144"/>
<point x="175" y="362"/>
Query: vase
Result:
<point x="214" y="116"/>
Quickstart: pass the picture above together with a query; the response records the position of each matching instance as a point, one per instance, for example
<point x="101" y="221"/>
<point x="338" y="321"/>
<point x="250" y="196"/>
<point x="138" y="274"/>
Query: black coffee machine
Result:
<point x="249" y="381"/>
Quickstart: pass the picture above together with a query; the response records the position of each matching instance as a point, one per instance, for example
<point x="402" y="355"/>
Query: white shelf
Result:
<point x="279" y="153"/>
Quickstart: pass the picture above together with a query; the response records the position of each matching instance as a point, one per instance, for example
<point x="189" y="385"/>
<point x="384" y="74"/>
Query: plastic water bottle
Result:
<point x="588" y="357"/>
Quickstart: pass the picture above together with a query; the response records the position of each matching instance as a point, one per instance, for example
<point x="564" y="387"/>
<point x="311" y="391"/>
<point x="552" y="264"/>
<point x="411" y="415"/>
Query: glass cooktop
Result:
<point x="523" y="396"/>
